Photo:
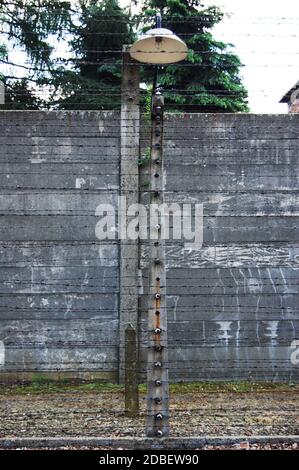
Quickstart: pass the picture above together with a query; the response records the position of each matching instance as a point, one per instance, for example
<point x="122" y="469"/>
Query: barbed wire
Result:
<point x="192" y="18"/>
<point x="167" y="94"/>
<point x="136" y="64"/>
<point x="119" y="90"/>
<point x="182" y="34"/>
<point x="212" y="51"/>
<point x="237" y="311"/>
<point x="178" y="16"/>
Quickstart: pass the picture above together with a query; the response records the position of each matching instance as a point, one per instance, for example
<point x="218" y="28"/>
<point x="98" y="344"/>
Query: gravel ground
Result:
<point x="100" y="414"/>
<point x="243" y="446"/>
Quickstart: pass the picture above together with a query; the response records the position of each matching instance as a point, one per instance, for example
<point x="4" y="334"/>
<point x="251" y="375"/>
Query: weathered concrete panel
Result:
<point x="51" y="253"/>
<point x="232" y="306"/>
<point x="59" y="306"/>
<point x="50" y="228"/>
<point x="59" y="284"/>
<point x="60" y="176"/>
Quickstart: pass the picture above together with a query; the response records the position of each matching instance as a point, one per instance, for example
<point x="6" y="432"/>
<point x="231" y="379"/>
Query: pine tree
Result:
<point x="27" y="24"/>
<point x="95" y="81"/>
<point x="3" y="50"/>
<point x="19" y="95"/>
<point x="208" y="80"/>
<point x="30" y="22"/>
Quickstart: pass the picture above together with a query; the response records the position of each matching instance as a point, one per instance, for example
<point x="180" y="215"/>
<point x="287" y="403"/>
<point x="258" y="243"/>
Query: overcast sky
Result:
<point x="266" y="36"/>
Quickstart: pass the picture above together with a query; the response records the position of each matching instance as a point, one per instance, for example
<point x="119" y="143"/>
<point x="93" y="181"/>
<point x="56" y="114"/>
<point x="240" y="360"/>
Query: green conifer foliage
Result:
<point x="209" y="80"/>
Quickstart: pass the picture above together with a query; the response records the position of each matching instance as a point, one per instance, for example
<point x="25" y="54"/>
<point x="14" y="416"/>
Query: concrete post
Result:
<point x="157" y="367"/>
<point x="2" y="93"/>
<point x="131" y="373"/>
<point x="129" y="188"/>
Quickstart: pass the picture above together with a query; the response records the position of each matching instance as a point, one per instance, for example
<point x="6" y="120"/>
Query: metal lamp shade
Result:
<point x="159" y="46"/>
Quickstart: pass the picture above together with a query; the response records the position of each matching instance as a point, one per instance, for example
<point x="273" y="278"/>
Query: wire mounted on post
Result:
<point x="157" y="365"/>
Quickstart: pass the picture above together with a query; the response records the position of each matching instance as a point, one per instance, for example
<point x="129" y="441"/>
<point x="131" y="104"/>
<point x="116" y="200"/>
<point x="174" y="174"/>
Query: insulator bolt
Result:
<point x="158" y="331"/>
<point x="157" y="161"/>
<point x="158" y="364"/>
<point x="159" y="416"/>
<point x="156" y="175"/>
<point x="159" y="433"/>
<point x="157" y="261"/>
<point x="158" y="348"/>
<point x="158" y="400"/>
<point x="158" y="383"/>
<point x="157" y="227"/>
<point x="157" y="296"/>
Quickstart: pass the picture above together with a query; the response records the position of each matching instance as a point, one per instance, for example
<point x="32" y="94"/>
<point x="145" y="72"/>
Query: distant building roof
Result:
<point x="286" y="98"/>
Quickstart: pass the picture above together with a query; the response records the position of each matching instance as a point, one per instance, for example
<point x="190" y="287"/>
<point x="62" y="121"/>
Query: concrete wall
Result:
<point x="59" y="284"/>
<point x="233" y="306"/>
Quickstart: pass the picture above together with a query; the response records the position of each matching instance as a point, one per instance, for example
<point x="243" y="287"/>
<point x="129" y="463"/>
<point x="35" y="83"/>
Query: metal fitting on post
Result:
<point x="157" y="326"/>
